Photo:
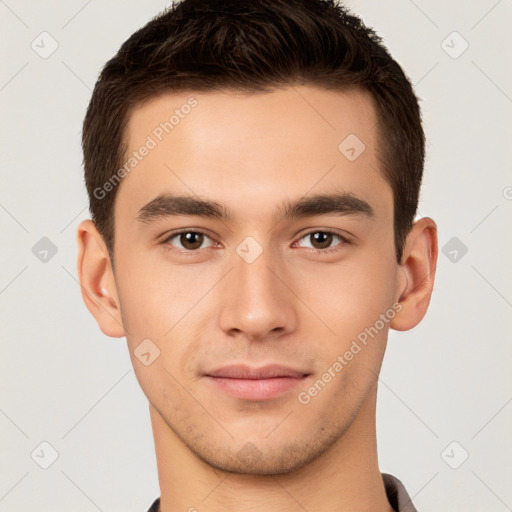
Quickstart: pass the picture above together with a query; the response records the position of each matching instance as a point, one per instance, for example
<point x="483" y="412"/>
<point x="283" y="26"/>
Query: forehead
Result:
<point x="242" y="148"/>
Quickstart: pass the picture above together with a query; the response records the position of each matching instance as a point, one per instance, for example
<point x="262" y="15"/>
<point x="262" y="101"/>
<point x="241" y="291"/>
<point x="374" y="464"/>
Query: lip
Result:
<point x="250" y="383"/>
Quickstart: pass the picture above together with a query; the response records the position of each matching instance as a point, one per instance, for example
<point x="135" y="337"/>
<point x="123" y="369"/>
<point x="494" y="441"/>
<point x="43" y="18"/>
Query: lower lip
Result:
<point x="256" y="389"/>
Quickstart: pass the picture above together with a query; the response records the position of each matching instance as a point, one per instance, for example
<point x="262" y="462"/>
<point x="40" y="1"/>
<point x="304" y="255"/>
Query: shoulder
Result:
<point x="155" y="507"/>
<point x="397" y="494"/>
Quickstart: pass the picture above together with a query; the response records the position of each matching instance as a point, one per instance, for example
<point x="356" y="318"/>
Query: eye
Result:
<point x="191" y="241"/>
<point x="321" y="240"/>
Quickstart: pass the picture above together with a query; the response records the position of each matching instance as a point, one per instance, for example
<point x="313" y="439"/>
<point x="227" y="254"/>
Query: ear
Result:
<point x="97" y="280"/>
<point x="418" y="269"/>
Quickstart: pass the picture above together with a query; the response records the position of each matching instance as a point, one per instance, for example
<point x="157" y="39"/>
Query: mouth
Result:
<point x="249" y="383"/>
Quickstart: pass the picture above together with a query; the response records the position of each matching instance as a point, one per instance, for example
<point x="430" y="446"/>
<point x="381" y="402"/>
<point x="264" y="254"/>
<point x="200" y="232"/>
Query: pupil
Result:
<point x="327" y="238"/>
<point x="187" y="240"/>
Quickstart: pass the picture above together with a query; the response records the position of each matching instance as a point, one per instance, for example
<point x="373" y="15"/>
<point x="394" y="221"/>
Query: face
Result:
<point x="270" y="304"/>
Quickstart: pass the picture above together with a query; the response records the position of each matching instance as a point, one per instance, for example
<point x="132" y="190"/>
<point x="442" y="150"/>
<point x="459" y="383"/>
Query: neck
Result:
<point x="345" y="477"/>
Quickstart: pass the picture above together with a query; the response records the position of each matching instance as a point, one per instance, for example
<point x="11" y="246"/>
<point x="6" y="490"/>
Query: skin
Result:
<point x="293" y="305"/>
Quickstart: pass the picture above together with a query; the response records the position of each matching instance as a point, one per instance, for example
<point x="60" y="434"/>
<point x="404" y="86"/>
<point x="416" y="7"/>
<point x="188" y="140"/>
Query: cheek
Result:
<point x="169" y="306"/>
<point x="349" y="297"/>
<point x="155" y="296"/>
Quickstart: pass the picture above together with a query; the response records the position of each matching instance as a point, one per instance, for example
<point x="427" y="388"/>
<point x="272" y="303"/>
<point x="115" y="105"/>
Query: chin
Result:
<point x="265" y="457"/>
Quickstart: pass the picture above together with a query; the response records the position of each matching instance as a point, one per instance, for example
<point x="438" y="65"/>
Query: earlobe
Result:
<point x="418" y="268"/>
<point x="97" y="282"/>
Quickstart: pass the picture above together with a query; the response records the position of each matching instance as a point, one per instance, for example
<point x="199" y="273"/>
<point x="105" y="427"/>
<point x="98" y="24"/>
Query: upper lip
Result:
<point x="263" y="372"/>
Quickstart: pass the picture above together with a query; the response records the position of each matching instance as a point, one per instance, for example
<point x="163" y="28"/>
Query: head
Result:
<point x="252" y="46"/>
<point x="256" y="125"/>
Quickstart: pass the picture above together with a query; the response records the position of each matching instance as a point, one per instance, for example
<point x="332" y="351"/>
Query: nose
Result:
<point x="257" y="299"/>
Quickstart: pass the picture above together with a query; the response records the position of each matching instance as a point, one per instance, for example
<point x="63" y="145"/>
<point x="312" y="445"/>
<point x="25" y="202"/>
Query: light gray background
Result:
<point x="64" y="382"/>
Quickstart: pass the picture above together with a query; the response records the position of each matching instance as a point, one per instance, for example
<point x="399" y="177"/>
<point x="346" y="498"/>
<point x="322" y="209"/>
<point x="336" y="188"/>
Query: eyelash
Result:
<point x="189" y="252"/>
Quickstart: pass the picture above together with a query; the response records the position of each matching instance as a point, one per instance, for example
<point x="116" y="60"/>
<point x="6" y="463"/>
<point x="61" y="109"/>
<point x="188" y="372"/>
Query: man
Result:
<point x="253" y="169"/>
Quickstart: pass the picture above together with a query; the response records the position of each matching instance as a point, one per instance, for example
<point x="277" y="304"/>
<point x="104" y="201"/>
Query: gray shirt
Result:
<point x="395" y="491"/>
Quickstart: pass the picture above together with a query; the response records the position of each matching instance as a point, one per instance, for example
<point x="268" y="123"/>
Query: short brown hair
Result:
<point x="254" y="46"/>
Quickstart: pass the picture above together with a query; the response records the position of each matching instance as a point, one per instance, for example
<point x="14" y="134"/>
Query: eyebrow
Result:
<point x="169" y="205"/>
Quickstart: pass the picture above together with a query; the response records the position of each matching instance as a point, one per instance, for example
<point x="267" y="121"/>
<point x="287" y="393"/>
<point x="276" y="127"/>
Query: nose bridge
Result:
<point x="257" y="302"/>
